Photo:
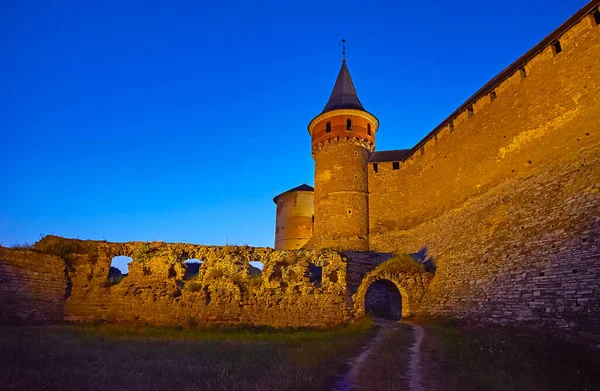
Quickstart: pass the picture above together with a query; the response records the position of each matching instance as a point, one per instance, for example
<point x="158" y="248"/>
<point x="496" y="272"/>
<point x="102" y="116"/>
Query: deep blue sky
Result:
<point x="180" y="120"/>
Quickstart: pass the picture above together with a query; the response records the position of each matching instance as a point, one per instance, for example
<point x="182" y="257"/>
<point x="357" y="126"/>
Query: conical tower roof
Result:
<point x="344" y="94"/>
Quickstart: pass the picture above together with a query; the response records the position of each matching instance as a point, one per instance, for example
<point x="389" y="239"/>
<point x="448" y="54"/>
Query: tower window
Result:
<point x="395" y="165"/>
<point x="451" y="126"/>
<point x="348" y="124"/>
<point x="523" y="72"/>
<point x="470" y="111"/>
<point x="556" y="47"/>
<point x="596" y="15"/>
<point x="328" y="127"/>
<point x="375" y="167"/>
<point x="369" y="129"/>
<point x="492" y="96"/>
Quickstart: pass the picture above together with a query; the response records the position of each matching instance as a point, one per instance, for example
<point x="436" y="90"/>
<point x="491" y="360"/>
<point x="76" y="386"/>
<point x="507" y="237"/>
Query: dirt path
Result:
<point x="414" y="373"/>
<point x="346" y="380"/>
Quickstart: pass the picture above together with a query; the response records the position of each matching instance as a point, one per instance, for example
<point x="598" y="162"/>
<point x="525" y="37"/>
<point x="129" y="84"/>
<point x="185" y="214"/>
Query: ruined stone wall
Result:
<point x="32" y="286"/>
<point x="156" y="291"/>
<point x="365" y="268"/>
<point x="505" y="198"/>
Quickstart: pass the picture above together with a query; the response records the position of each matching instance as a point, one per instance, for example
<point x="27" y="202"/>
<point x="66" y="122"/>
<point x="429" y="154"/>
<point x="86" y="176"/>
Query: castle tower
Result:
<point x="343" y="136"/>
<point x="294" y="219"/>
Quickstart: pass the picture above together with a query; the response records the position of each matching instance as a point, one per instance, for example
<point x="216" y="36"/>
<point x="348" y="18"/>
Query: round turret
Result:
<point x="294" y="219"/>
<point x="343" y="136"/>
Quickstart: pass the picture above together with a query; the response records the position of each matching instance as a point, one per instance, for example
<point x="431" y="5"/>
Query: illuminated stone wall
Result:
<point x="294" y="219"/>
<point x="32" y="286"/>
<point x="506" y="199"/>
<point x="341" y="190"/>
<point x="157" y="292"/>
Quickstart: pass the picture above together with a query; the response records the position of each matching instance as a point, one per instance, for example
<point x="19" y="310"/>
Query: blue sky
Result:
<point x="180" y="120"/>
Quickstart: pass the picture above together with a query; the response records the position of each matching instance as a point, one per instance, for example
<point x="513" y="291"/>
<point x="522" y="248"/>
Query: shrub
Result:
<point x="403" y="263"/>
<point x="142" y="253"/>
<point x="114" y="280"/>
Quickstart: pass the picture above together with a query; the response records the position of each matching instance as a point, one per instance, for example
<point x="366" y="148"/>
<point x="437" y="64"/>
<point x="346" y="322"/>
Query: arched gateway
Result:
<point x="383" y="300"/>
<point x="392" y="290"/>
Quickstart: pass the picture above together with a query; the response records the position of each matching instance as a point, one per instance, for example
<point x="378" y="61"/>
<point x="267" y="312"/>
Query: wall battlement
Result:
<point x="511" y="77"/>
<point x="506" y="197"/>
<point x="566" y="35"/>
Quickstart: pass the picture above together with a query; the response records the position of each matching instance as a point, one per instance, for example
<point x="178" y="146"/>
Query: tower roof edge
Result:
<point x="344" y="94"/>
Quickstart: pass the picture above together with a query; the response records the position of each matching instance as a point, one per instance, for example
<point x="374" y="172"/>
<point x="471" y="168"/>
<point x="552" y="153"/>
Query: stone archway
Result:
<point x="395" y="287"/>
<point x="383" y="300"/>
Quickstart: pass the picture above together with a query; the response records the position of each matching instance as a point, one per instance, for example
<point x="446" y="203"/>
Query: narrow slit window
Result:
<point x="328" y="127"/>
<point x="493" y="96"/>
<point x="556" y="47"/>
<point x="348" y="124"/>
<point x="523" y="72"/>
<point x="451" y="126"/>
<point x="470" y="111"/>
<point x="395" y="165"/>
<point x="375" y="167"/>
<point x="596" y="15"/>
<point x="369" y="129"/>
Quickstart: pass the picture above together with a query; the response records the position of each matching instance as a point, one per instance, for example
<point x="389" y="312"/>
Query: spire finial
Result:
<point x="343" y="44"/>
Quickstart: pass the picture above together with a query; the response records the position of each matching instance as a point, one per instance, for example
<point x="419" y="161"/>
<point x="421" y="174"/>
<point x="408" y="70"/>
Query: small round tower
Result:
<point x="343" y="136"/>
<point x="294" y="219"/>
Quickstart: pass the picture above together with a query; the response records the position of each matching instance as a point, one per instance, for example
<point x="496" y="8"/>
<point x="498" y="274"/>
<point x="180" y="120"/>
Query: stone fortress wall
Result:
<point x="67" y="279"/>
<point x="502" y="200"/>
<point x="505" y="195"/>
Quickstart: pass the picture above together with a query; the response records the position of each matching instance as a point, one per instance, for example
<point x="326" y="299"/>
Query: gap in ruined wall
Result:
<point x="192" y="268"/>
<point x="315" y="274"/>
<point x="383" y="300"/>
<point x="119" y="269"/>
<point x="255" y="268"/>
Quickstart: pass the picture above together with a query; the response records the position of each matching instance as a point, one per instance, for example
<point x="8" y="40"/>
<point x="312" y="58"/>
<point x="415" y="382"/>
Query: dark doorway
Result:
<point x="383" y="300"/>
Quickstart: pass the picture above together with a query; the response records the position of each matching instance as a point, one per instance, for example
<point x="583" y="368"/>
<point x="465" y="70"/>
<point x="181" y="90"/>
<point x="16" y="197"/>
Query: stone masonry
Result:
<point x="499" y="205"/>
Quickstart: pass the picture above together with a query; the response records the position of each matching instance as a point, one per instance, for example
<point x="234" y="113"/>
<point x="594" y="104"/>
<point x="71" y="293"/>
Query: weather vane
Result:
<point x="343" y="44"/>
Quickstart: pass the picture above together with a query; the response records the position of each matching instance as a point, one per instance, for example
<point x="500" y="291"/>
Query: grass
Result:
<point x="453" y="357"/>
<point x="468" y="358"/>
<point x="402" y="263"/>
<point x="95" y="357"/>
<point x="21" y="246"/>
